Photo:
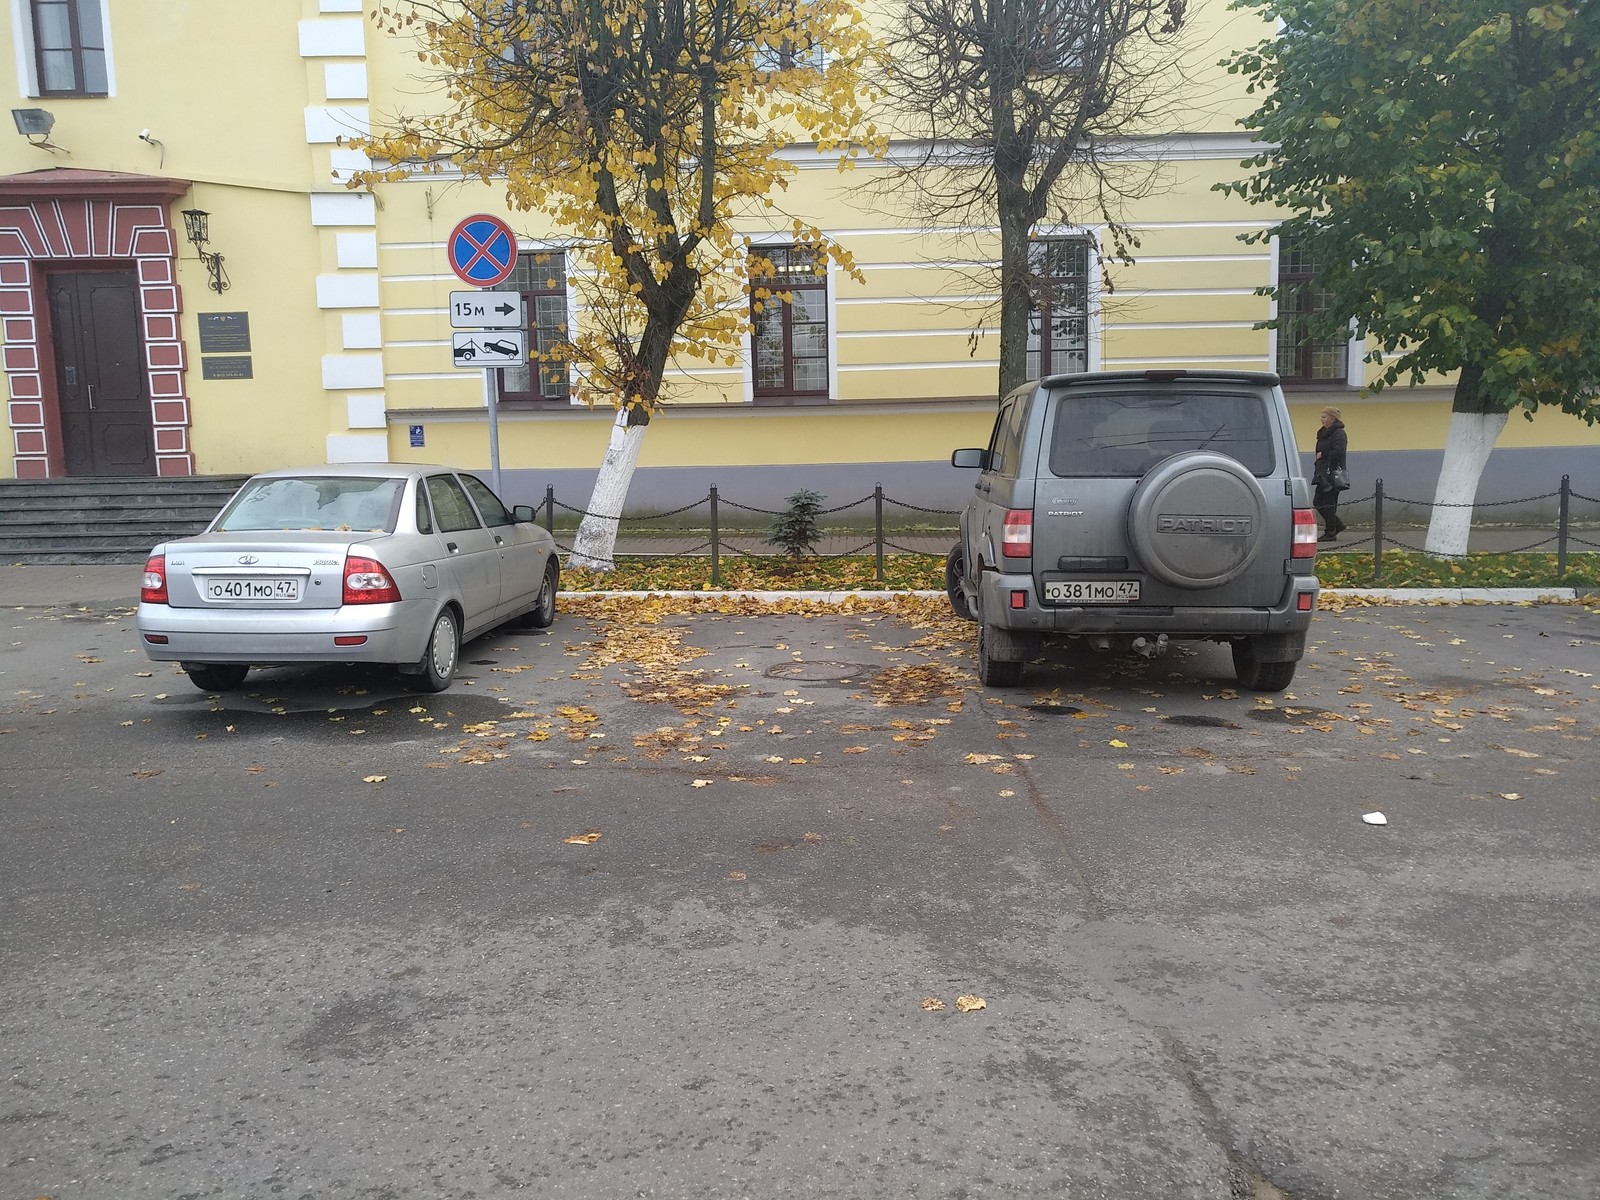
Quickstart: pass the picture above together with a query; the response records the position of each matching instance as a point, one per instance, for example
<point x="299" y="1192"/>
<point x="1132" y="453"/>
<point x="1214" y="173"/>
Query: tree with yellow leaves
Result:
<point x="646" y="130"/>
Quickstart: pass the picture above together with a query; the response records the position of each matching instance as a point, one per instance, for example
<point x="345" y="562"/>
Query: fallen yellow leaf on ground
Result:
<point x="968" y="1004"/>
<point x="933" y="1004"/>
<point x="374" y="779"/>
<point x="584" y="839"/>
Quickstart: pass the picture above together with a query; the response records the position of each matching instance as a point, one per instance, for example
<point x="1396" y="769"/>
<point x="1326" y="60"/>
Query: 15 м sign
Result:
<point x="486" y="310"/>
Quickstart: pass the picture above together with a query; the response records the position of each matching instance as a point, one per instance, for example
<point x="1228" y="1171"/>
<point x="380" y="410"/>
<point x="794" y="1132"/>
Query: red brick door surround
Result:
<point x="63" y="218"/>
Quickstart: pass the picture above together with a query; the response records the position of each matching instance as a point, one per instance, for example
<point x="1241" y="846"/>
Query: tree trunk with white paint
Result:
<point x="1466" y="451"/>
<point x="596" y="544"/>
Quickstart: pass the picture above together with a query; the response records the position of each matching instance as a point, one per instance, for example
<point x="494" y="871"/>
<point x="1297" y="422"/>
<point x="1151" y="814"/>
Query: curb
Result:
<point x="1461" y="595"/>
<point x="1396" y="595"/>
<point x="1411" y="595"/>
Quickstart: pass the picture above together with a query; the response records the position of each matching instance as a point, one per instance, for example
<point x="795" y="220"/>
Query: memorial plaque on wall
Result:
<point x="224" y="333"/>
<point x="234" y="366"/>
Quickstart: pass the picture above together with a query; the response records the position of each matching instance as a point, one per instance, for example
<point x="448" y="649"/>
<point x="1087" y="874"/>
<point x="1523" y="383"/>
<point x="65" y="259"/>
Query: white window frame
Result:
<point x="748" y="380"/>
<point x="28" y="61"/>
<point x="1094" y="331"/>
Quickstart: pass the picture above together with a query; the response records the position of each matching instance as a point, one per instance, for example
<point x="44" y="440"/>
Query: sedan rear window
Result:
<point x="1125" y="433"/>
<point x="322" y="502"/>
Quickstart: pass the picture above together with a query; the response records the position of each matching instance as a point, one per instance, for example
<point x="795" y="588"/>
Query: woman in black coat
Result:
<point x="1331" y="445"/>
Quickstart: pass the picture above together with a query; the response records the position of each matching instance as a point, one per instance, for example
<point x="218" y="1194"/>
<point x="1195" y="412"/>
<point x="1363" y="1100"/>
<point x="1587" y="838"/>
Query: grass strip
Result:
<point x="917" y="572"/>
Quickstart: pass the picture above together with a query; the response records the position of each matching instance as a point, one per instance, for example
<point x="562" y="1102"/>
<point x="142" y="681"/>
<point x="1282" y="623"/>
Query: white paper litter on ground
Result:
<point x="1375" y="818"/>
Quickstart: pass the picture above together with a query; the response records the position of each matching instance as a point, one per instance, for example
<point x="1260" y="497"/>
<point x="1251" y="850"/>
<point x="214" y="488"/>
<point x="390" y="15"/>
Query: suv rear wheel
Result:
<point x="992" y="671"/>
<point x="1257" y="676"/>
<point x="955" y="569"/>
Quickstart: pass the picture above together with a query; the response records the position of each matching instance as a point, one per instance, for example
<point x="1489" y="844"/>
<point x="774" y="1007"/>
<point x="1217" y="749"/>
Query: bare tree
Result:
<point x="1017" y="103"/>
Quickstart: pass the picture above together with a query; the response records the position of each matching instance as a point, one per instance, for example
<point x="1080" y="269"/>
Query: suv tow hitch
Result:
<point x="1148" y="648"/>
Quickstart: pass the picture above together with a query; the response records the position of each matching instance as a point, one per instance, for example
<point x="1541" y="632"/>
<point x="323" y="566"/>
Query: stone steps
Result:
<point x="112" y="520"/>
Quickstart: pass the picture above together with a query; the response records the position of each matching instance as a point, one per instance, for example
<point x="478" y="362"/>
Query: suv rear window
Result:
<point x="1125" y="433"/>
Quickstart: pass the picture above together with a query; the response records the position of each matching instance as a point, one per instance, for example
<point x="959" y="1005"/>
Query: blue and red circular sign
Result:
<point x="483" y="251"/>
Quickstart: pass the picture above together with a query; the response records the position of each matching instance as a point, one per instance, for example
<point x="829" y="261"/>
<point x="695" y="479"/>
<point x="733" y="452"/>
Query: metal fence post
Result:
<point x="1377" y="531"/>
<point x="716" y="545"/>
<point x="550" y="509"/>
<point x="1561" y="528"/>
<point x="877" y="524"/>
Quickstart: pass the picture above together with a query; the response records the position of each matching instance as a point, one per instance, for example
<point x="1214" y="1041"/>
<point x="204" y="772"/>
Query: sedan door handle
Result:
<point x="498" y="540"/>
<point x="451" y="546"/>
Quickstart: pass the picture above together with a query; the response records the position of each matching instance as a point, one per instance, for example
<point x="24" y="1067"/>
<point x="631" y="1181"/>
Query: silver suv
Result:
<point x="1130" y="508"/>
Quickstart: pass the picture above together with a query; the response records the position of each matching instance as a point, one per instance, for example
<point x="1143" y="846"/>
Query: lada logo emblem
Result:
<point x="248" y="560"/>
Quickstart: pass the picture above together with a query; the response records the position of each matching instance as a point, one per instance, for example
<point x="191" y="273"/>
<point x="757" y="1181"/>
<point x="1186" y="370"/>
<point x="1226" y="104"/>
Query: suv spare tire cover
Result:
<point x="1197" y="519"/>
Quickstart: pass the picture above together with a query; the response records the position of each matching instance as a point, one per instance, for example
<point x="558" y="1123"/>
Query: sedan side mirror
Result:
<point x="524" y="513"/>
<point x="970" y="458"/>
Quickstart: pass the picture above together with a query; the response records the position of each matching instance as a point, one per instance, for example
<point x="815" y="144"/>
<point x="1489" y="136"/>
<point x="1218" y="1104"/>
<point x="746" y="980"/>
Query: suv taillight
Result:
<point x="153" y="587"/>
<point x="366" y="581"/>
<point x="1016" y="538"/>
<point x="1305" y="534"/>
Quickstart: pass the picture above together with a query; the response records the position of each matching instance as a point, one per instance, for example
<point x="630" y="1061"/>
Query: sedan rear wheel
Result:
<point x="543" y="613"/>
<point x="217" y="677"/>
<point x="439" y="659"/>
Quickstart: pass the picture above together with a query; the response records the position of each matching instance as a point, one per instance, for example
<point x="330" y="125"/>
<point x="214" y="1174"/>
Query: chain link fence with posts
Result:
<point x="717" y="527"/>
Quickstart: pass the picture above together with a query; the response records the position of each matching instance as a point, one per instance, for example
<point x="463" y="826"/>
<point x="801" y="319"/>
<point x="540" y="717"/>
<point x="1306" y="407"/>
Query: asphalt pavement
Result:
<point x="750" y="904"/>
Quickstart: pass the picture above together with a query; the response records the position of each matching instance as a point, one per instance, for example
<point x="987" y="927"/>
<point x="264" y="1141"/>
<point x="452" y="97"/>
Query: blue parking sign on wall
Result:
<point x="416" y="435"/>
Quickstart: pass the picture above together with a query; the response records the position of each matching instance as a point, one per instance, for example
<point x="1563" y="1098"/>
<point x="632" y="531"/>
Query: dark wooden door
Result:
<point x="100" y="376"/>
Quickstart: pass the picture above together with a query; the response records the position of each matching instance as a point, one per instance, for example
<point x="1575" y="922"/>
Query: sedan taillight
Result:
<point x="1016" y="537"/>
<point x="1305" y="534"/>
<point x="366" y="581"/>
<point x="153" y="587"/>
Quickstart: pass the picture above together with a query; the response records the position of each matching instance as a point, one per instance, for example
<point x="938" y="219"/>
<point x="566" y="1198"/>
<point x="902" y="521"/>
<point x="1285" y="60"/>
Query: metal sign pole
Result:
<point x="491" y="388"/>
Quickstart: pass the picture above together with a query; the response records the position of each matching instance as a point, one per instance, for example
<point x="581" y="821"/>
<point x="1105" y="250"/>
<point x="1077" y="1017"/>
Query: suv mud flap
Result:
<point x="1007" y="645"/>
<point x="1278" y="647"/>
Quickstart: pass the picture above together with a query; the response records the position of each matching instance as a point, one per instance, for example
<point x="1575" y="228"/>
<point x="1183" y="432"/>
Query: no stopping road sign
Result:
<point x="483" y="250"/>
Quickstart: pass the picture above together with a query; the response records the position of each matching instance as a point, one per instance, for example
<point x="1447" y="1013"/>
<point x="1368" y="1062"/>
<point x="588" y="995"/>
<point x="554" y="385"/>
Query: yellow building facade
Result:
<point x="187" y="287"/>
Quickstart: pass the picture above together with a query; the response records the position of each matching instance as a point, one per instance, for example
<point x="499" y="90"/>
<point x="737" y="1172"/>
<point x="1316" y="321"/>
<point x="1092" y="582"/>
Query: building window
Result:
<point x="789" y="316"/>
<point x="788" y="57"/>
<point x="541" y="277"/>
<point x="1058" y="326"/>
<point x="69" y="47"/>
<point x="1302" y="359"/>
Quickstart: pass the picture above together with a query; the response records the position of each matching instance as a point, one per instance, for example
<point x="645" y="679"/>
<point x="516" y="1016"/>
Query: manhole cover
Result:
<point x="818" y="672"/>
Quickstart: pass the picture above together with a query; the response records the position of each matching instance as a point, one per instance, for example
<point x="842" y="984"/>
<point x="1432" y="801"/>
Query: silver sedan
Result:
<point x="369" y="562"/>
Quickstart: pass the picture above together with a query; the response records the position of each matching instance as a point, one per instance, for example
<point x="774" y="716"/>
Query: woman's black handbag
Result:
<point x="1339" y="479"/>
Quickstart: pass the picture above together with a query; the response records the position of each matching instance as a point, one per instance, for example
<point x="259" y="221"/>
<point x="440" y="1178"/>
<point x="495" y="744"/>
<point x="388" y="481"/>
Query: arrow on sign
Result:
<point x="505" y="310"/>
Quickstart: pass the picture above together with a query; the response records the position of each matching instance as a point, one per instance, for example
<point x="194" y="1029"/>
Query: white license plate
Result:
<point x="252" y="589"/>
<point x="1092" y="591"/>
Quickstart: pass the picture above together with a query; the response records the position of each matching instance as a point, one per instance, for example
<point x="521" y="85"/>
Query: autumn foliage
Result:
<point x="643" y="131"/>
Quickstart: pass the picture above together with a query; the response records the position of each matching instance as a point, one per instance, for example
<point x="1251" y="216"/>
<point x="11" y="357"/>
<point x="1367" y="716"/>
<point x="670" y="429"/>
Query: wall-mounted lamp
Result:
<point x="35" y="124"/>
<point x="197" y="227"/>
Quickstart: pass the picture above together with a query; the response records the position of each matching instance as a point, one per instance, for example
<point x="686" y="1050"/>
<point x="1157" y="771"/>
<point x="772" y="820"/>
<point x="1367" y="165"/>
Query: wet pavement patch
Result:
<point x="1054" y="710"/>
<point x="1283" y="716"/>
<point x="385" y="718"/>
<point x="1197" y="721"/>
